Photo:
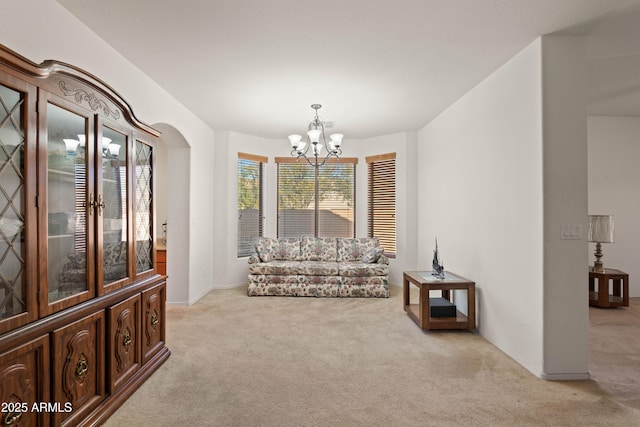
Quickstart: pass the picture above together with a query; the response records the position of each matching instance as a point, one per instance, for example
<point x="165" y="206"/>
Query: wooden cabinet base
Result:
<point x="115" y="400"/>
<point x="76" y="361"/>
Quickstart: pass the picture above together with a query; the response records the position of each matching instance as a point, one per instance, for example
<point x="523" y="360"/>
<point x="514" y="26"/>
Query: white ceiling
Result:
<point x="377" y="66"/>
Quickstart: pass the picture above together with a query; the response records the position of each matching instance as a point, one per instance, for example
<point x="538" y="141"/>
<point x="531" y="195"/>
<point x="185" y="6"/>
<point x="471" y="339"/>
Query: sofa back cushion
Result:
<point x="318" y="248"/>
<point x="270" y="249"/>
<point x="350" y="250"/>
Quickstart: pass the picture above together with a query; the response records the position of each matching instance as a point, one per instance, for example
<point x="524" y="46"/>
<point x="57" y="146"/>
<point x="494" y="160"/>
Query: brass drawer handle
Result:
<point x="126" y="341"/>
<point x="154" y="319"/>
<point x="81" y="367"/>
<point x="12" y="418"/>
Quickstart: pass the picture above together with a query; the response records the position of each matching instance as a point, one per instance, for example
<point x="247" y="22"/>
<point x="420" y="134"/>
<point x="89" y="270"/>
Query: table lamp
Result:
<point x="600" y="231"/>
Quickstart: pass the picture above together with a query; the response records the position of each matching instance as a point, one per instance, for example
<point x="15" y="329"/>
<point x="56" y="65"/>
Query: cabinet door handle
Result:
<point x="154" y="319"/>
<point x="92" y="204"/>
<point x="126" y="340"/>
<point x="100" y="204"/>
<point x="81" y="367"/>
<point x="11" y="418"/>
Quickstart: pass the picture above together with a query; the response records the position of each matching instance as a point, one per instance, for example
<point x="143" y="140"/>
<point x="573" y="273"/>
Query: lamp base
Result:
<point x="597" y="265"/>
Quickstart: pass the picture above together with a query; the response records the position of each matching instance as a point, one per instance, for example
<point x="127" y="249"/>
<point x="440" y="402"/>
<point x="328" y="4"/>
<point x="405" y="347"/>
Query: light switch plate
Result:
<point x="571" y="232"/>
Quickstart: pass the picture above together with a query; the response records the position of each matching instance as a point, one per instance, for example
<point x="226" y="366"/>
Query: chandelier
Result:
<point x="316" y="141"/>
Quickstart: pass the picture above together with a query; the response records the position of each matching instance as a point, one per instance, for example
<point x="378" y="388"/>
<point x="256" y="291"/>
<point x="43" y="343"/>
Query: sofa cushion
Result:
<point x="318" y="248"/>
<point x="285" y="249"/>
<point x="275" y="268"/>
<point x="273" y="285"/>
<point x="263" y="248"/>
<point x="354" y="249"/>
<point x="319" y="280"/>
<point x="318" y="268"/>
<point x="352" y="269"/>
<point x="372" y="255"/>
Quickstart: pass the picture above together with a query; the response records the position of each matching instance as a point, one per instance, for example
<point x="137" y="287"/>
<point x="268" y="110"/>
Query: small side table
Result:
<point x="420" y="313"/>
<point x="599" y="295"/>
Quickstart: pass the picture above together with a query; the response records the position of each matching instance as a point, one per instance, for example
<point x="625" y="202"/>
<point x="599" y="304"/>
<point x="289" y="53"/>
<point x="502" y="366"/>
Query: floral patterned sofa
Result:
<point x="319" y="267"/>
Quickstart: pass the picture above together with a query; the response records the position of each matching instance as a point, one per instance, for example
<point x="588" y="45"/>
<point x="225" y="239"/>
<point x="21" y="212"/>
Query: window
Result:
<point x="250" y="214"/>
<point x="316" y="201"/>
<point x="382" y="200"/>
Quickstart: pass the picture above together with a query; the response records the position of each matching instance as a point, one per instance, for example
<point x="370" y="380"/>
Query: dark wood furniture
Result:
<point x="82" y="306"/>
<point x="609" y="289"/>
<point x="161" y="266"/>
<point x="420" y="313"/>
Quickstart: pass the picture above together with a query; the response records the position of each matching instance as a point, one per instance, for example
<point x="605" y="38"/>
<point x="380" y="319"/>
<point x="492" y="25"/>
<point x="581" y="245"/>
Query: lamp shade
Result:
<point x="71" y="144"/>
<point x="114" y="149"/>
<point x="601" y="228"/>
<point x="295" y="141"/>
<point x="314" y="135"/>
<point x="336" y="139"/>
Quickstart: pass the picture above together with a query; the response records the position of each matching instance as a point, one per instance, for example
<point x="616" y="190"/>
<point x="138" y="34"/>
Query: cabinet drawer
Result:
<point x="153" y="321"/>
<point x="78" y="367"/>
<point x="123" y="341"/>
<point x="24" y="381"/>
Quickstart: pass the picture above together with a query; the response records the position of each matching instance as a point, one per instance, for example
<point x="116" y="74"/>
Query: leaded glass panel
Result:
<point x="12" y="244"/>
<point x="143" y="207"/>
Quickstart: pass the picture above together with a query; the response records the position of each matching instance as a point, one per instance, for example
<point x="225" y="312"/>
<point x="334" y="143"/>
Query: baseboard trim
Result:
<point x="566" y="377"/>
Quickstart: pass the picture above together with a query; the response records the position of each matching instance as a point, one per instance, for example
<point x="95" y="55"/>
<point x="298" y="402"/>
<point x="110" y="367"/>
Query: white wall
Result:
<point x="614" y="179"/>
<point x="43" y="29"/>
<point x="566" y="312"/>
<point x="482" y="174"/>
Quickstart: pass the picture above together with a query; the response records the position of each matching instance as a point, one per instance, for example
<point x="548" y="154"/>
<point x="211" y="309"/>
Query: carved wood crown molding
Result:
<point x="36" y="73"/>
<point x="81" y="95"/>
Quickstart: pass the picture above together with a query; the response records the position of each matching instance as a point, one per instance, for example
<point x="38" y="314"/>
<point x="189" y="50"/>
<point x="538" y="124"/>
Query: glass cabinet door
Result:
<point x="67" y="150"/>
<point x="143" y="206"/>
<point x="18" y="304"/>
<point x="113" y="205"/>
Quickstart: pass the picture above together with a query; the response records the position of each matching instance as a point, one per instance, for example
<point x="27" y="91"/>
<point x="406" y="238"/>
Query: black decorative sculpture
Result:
<point x="438" y="268"/>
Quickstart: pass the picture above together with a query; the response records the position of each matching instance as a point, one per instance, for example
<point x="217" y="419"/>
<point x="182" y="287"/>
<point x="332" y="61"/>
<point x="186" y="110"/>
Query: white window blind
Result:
<point x="382" y="200"/>
<point x="316" y="201"/>
<point x="250" y="213"/>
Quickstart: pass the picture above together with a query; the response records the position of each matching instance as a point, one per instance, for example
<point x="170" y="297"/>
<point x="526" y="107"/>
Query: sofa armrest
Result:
<point x="254" y="259"/>
<point x="383" y="260"/>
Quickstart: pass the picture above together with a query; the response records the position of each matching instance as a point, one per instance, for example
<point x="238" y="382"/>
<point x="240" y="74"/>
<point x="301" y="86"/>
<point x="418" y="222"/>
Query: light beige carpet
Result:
<point x="281" y="361"/>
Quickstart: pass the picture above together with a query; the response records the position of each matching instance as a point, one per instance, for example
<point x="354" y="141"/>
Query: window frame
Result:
<point x="260" y="161"/>
<point x="388" y="230"/>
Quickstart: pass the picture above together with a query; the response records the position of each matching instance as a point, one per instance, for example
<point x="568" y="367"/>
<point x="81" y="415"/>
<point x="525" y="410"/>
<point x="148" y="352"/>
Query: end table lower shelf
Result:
<point x="420" y="313"/>
<point x="609" y="288"/>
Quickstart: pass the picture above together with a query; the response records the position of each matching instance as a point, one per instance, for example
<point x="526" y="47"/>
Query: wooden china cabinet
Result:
<point x="82" y="306"/>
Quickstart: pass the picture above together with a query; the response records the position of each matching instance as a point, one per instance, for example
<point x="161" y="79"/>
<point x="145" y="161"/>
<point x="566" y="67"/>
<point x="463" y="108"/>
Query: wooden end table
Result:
<point x="599" y="295"/>
<point x="420" y="313"/>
